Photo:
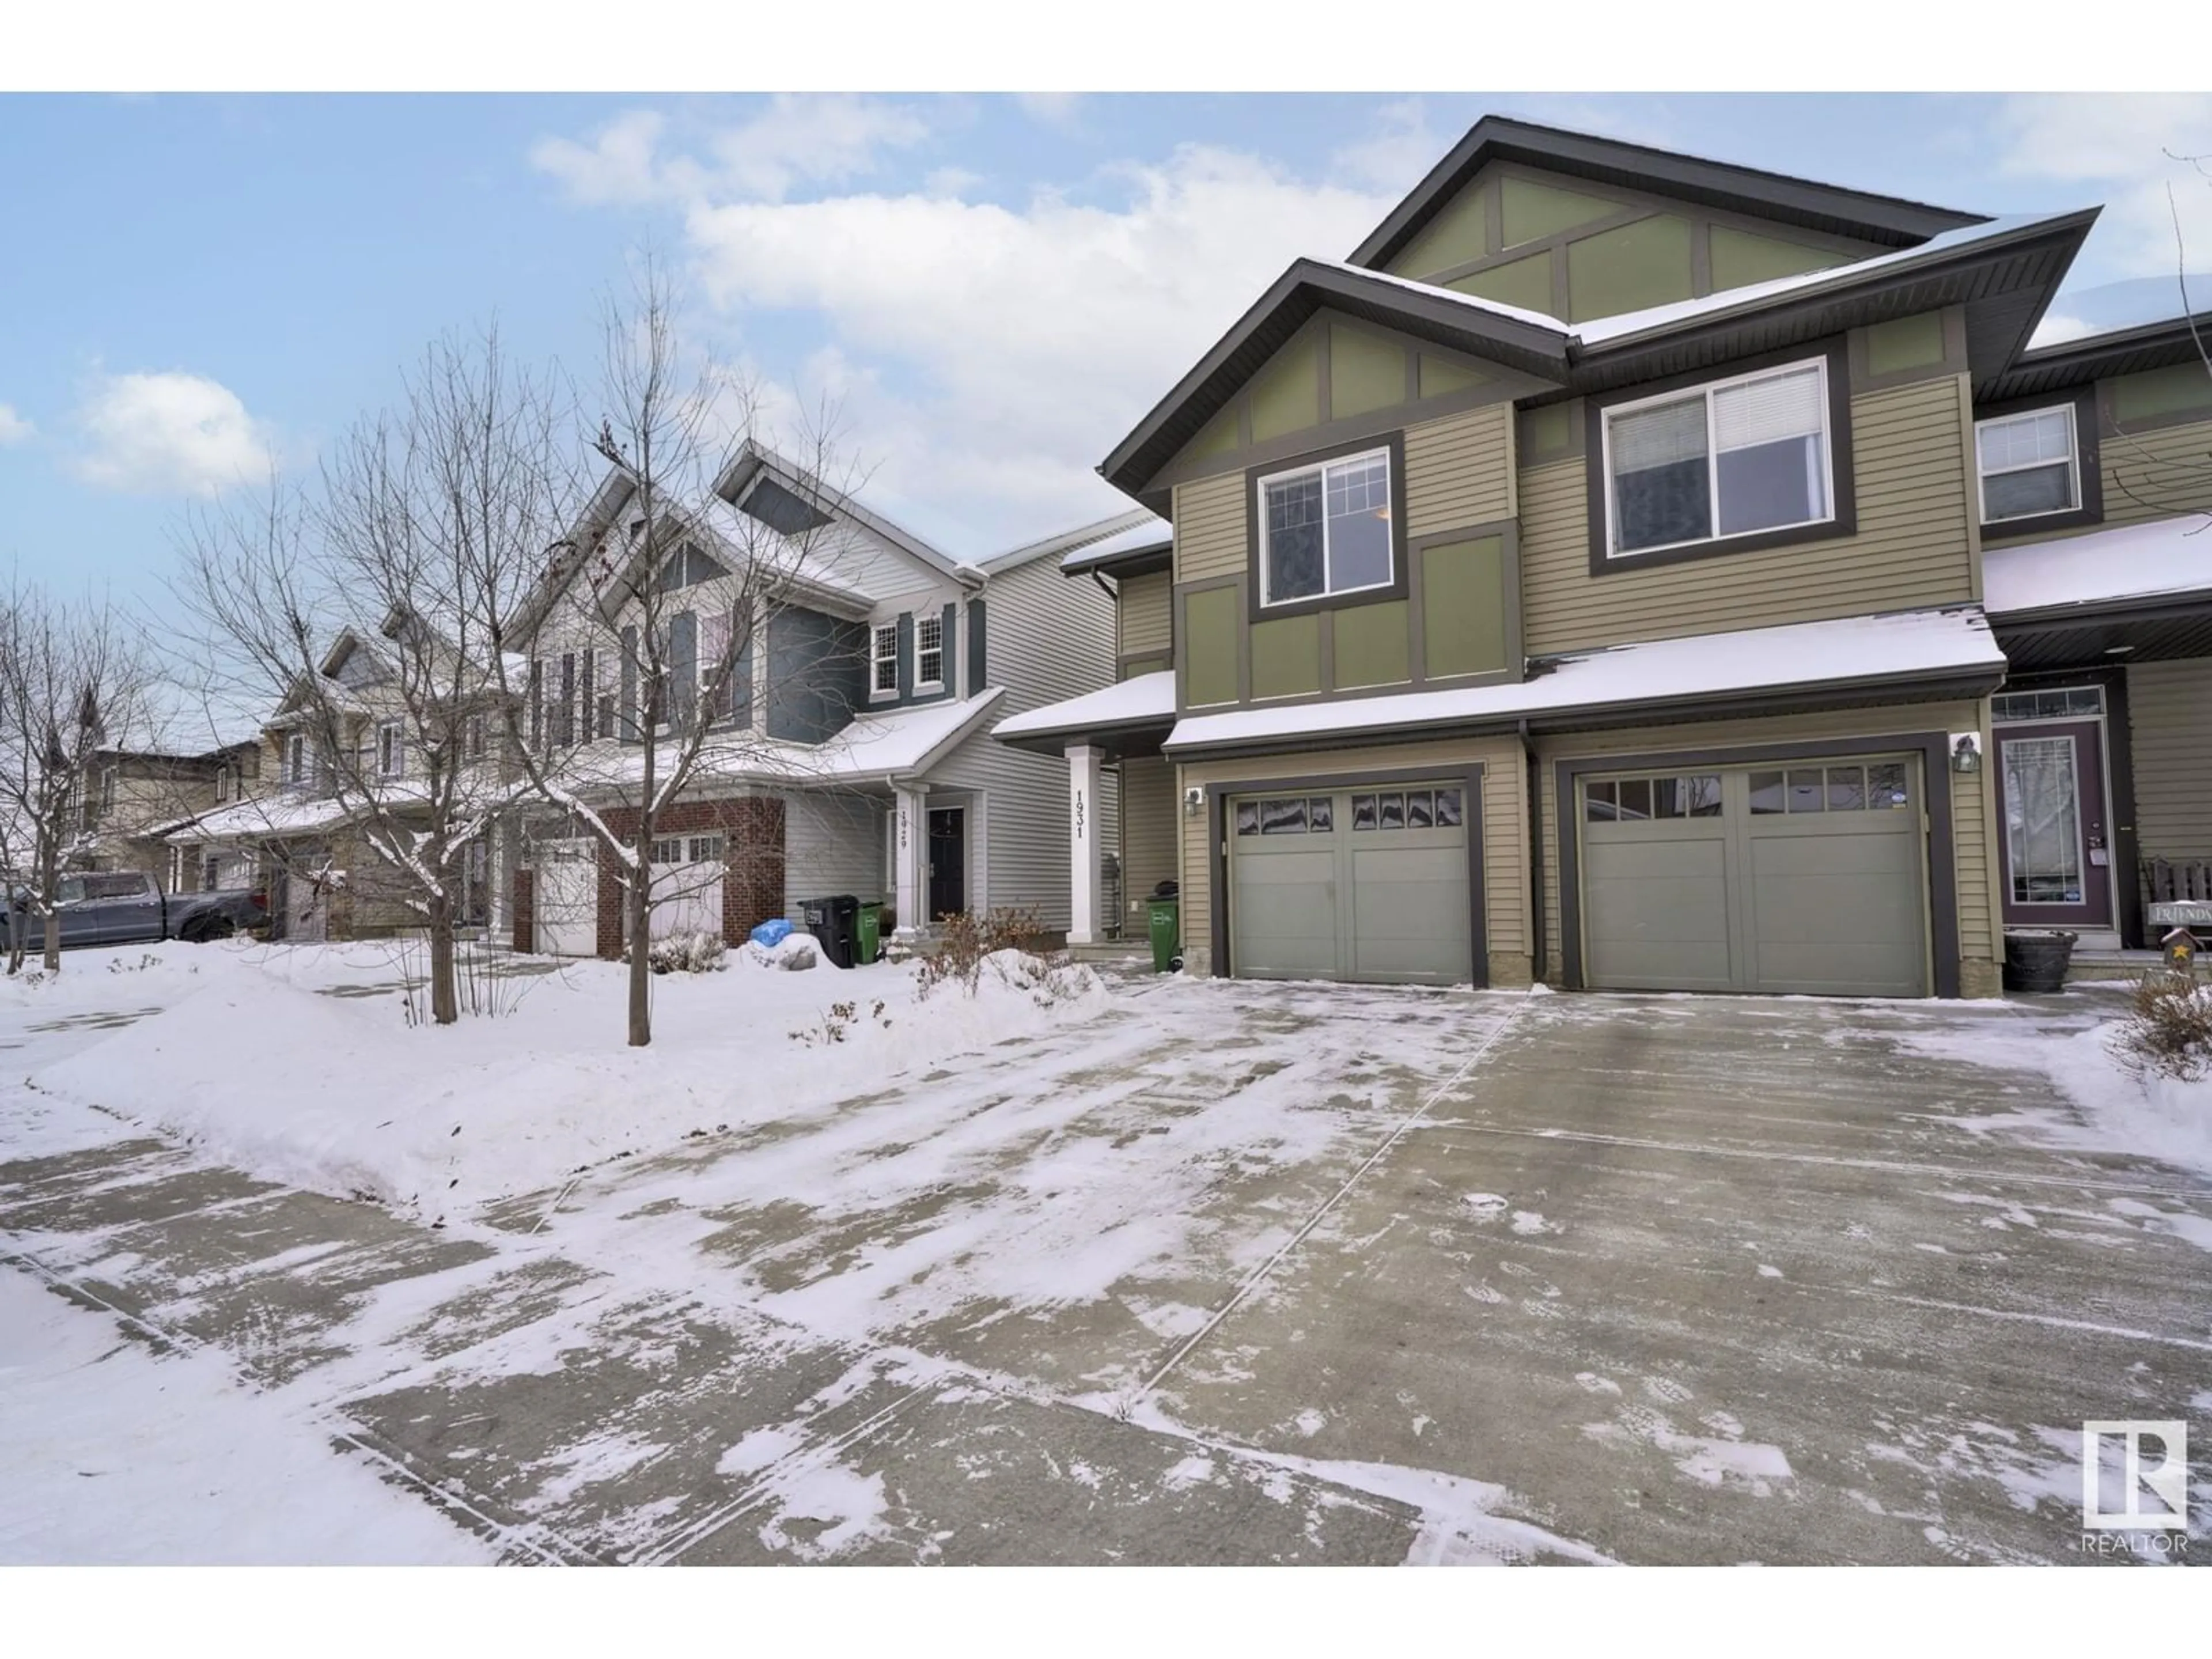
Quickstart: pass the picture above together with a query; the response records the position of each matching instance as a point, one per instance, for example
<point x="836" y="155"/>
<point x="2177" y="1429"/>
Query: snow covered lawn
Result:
<point x="301" y="1064"/>
<point x="111" y="1454"/>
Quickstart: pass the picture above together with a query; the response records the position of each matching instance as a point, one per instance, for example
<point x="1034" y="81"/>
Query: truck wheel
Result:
<point x="213" y="929"/>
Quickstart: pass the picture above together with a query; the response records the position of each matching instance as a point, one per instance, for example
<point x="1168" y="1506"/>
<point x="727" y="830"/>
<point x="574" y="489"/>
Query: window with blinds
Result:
<point x="1727" y="459"/>
<point x="2028" y="464"/>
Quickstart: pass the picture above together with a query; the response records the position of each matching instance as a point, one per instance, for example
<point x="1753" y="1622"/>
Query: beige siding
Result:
<point x="1149" y="817"/>
<point x="1459" y="471"/>
<point x="2157" y="474"/>
<point x="1209" y="527"/>
<point x="1914" y="545"/>
<point x="1144" y="612"/>
<point x="1972" y="825"/>
<point x="1504" y="823"/>
<point x="2170" y="727"/>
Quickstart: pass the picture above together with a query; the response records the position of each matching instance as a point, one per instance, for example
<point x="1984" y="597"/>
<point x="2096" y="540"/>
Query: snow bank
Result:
<point x="302" y="1067"/>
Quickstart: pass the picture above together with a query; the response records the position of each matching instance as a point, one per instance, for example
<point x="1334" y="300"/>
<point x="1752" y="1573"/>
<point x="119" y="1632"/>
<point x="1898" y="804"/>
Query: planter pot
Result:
<point x="2037" y="962"/>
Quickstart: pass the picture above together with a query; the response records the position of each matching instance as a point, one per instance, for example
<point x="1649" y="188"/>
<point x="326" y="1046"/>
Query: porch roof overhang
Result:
<point x="1128" y="719"/>
<point x="2133" y="594"/>
<point x="1859" y="661"/>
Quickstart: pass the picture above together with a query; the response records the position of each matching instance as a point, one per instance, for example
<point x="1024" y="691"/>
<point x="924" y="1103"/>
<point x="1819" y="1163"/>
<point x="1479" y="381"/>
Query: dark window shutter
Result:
<point x="906" y="655"/>
<point x="977" y="671"/>
<point x="948" y="634"/>
<point x="564" y="719"/>
<point x="590" y="685"/>
<point x="740" y="697"/>
<point x="537" y="703"/>
<point x="628" y="729"/>
<point x="682" y="669"/>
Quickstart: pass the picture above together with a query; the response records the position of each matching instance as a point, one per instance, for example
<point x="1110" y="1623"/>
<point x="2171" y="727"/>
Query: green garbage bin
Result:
<point x="1167" y="930"/>
<point x="871" y="932"/>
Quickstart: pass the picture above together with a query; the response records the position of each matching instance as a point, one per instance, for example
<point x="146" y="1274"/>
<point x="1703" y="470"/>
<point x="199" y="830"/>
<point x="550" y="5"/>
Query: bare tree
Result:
<point x="71" y="673"/>
<point x="628" y="663"/>
<point x="360" y="611"/>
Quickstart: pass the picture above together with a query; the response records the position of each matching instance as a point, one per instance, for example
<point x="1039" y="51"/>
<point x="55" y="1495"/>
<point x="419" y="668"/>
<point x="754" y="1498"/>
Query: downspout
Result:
<point x="1536" y="940"/>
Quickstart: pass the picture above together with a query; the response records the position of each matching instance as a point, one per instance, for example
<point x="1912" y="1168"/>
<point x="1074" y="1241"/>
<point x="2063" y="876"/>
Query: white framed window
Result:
<point x="882" y="659"/>
<point x="2030" y="464"/>
<point x="474" y="736"/>
<point x="929" y="653"/>
<point x="1730" y="458"/>
<point x="108" y="789"/>
<point x="1325" y="529"/>
<point x="296" y="757"/>
<point x="391" y="750"/>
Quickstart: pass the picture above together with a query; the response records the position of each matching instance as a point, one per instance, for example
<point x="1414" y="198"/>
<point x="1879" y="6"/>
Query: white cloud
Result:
<point x="1063" y="110"/>
<point x="2120" y="148"/>
<point x="169" y="433"/>
<point x="14" y="429"/>
<point x="795" y="139"/>
<point x="1031" y="338"/>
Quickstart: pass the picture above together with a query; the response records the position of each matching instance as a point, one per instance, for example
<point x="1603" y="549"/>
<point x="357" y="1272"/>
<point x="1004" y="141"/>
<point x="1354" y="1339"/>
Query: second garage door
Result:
<point x="1368" y="885"/>
<point x="1788" y="878"/>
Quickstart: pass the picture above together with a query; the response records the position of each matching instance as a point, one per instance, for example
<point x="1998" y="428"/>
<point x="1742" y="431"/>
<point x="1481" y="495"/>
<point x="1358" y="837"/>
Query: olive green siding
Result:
<point x="2157" y="391"/>
<point x="1209" y="527"/>
<point x="1365" y="372"/>
<point x="1915" y="543"/>
<point x="1972" y="825"/>
<point x="1464" y="607"/>
<point x="1459" y="234"/>
<point x="1739" y="257"/>
<point x="1523" y="283"/>
<point x="1532" y="211"/>
<point x="1286" y="657"/>
<point x="1372" y="645"/>
<point x="1149" y="820"/>
<point x="1286" y="394"/>
<point x="1459" y="471"/>
<point x="1504" y="829"/>
<point x="1209" y="655"/>
<point x="2170" y="726"/>
<point x="2157" y="473"/>
<point x="1907" y="343"/>
<point x="1440" y="377"/>
<point x="1644" y="263"/>
<point x="1144" y="614"/>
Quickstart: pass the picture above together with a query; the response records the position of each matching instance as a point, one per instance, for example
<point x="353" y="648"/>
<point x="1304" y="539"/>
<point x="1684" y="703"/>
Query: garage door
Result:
<point x="1359" y="884"/>
<point x="1790" y="879"/>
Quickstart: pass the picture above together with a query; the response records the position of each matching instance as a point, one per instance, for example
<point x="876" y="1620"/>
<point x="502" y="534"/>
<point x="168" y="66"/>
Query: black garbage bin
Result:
<point x="821" y="917"/>
<point x="844" y="942"/>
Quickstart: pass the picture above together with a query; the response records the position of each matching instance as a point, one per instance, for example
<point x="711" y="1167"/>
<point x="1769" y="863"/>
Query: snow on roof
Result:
<point x="1149" y="530"/>
<point x="1604" y="329"/>
<point x="2136" y="560"/>
<point x="1857" y="649"/>
<point x="2122" y="307"/>
<point x="1141" y="697"/>
<point x="777" y="556"/>
<point x="1473" y="302"/>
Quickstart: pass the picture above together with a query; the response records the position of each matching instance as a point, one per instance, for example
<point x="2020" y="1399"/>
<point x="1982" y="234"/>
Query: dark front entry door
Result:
<point x="2057" y="848"/>
<point x="948" y="861"/>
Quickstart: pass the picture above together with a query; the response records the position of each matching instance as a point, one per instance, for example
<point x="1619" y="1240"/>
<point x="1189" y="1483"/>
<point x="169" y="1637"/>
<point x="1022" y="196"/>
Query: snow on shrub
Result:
<point x="2167" y="1030"/>
<point x="687" y="953"/>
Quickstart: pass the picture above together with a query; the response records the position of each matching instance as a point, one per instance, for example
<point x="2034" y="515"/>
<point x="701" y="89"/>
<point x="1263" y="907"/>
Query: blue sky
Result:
<point x="994" y="288"/>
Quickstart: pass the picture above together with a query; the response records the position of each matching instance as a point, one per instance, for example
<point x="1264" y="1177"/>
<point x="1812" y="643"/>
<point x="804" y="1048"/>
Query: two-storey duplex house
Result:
<point x="1592" y="578"/>
<point x="846" y="753"/>
<point x="135" y="798"/>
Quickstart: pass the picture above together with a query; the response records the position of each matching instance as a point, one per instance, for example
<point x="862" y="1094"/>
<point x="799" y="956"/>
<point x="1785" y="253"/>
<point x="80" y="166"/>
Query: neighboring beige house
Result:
<point x="135" y="798"/>
<point x="1630" y="571"/>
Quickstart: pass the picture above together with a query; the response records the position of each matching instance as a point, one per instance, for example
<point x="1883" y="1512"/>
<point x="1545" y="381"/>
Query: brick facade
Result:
<point x="752" y="851"/>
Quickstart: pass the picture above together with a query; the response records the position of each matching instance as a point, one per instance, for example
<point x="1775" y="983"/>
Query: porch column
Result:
<point x="910" y="861"/>
<point x="1085" y="888"/>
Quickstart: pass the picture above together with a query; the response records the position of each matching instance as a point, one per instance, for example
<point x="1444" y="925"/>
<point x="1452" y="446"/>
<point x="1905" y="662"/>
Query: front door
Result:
<point x="948" y="861"/>
<point x="2057" y="849"/>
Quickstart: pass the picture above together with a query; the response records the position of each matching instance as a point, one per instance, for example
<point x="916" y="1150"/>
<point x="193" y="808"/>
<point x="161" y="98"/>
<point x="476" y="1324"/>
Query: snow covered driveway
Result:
<point x="1229" y="1272"/>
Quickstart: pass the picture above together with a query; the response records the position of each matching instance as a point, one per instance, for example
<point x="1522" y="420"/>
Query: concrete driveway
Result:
<point x="1237" y="1273"/>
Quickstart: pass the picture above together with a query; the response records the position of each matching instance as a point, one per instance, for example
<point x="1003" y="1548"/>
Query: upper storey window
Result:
<point x="2029" y="464"/>
<point x="1325" y="529"/>
<point x="1730" y="458"/>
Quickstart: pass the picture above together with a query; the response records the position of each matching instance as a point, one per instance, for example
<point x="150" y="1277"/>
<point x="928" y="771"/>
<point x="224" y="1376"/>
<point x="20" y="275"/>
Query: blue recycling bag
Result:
<point x="772" y="934"/>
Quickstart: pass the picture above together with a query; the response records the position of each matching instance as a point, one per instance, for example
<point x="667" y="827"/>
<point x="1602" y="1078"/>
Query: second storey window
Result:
<point x="295" y="759"/>
<point x="1325" y="529"/>
<point x="883" y="659"/>
<point x="391" y="753"/>
<point x="1727" y="459"/>
<point x="2028" y="464"/>
<point x="929" y="652"/>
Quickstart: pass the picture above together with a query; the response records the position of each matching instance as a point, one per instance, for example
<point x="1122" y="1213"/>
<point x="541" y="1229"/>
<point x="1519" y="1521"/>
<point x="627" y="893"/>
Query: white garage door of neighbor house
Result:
<point x="1803" y="878"/>
<point x="1365" y="883"/>
<point x="566" y="899"/>
<point x="687" y="885"/>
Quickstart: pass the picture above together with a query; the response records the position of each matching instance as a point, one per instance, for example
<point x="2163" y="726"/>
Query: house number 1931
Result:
<point x="1078" y="811"/>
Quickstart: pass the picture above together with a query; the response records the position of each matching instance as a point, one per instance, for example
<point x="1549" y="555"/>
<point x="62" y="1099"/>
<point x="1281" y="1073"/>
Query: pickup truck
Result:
<point x="125" y="907"/>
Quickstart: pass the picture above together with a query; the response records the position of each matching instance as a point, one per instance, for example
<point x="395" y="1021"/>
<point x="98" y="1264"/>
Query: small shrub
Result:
<point x="687" y="953"/>
<point x="841" y="1017"/>
<point x="2167" y="1029"/>
<point x="964" y="941"/>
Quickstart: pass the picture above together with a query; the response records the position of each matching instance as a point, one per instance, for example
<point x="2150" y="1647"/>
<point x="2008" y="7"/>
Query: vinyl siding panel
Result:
<point x="2170" y="725"/>
<point x="1209" y="527"/>
<point x="1144" y="613"/>
<point x="1460" y="470"/>
<point x="2157" y="474"/>
<point x="832" y="843"/>
<point x="1973" y="856"/>
<point x="1150" y="828"/>
<point x="1504" y="823"/>
<point x="1914" y="545"/>
<point x="1051" y="638"/>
